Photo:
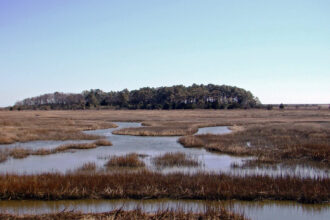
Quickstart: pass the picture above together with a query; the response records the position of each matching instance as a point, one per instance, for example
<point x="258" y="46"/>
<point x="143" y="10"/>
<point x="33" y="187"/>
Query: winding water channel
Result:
<point x="150" y="147"/>
<point x="122" y="144"/>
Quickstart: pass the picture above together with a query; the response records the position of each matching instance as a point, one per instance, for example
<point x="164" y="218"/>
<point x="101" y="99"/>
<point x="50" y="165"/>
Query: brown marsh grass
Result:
<point x="125" y="161"/>
<point x="210" y="213"/>
<point x="3" y="155"/>
<point x="87" y="167"/>
<point x="19" y="153"/>
<point x="157" y="131"/>
<point x="268" y="132"/>
<point x="83" y="146"/>
<point x="38" y="125"/>
<point x="152" y="185"/>
<point x="64" y="125"/>
<point x="273" y="143"/>
<point x="103" y="142"/>
<point x="175" y="159"/>
<point x="191" y="141"/>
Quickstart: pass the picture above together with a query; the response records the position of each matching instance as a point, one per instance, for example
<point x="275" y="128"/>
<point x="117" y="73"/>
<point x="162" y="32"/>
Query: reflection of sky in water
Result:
<point x="151" y="146"/>
<point x="266" y="210"/>
<point x="214" y="130"/>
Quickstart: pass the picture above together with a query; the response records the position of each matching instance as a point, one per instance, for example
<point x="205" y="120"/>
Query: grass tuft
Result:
<point x="87" y="167"/>
<point x="3" y="155"/>
<point x="126" y="161"/>
<point x="175" y="159"/>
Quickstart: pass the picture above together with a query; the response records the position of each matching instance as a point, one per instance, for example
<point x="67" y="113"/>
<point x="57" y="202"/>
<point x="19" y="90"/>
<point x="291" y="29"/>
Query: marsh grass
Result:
<point x="22" y="126"/>
<point x="125" y="161"/>
<point x="175" y="159"/>
<point x="87" y="167"/>
<point x="145" y="184"/>
<point x="103" y="142"/>
<point x="157" y="131"/>
<point x="20" y="153"/>
<point x="209" y="213"/>
<point x="191" y="141"/>
<point x="288" y="135"/>
<point x="270" y="144"/>
<point x="83" y="146"/>
<point x="40" y="125"/>
<point x="3" y="155"/>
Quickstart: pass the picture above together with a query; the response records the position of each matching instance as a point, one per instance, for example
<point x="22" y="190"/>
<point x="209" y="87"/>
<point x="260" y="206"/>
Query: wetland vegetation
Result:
<point x="157" y="131"/>
<point x="34" y="125"/>
<point x="20" y="153"/>
<point x="259" y="138"/>
<point x="145" y="184"/>
<point x="87" y="167"/>
<point x="126" y="161"/>
<point x="298" y="143"/>
<point x="175" y="159"/>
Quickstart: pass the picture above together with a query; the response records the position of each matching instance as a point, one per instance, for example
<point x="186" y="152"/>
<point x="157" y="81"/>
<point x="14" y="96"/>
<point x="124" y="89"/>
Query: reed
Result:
<point x="191" y="141"/>
<point x="3" y="155"/>
<point x="175" y="159"/>
<point x="126" y="161"/>
<point x="40" y="125"/>
<point x="83" y="146"/>
<point x="87" y="167"/>
<point x="22" y="126"/>
<point x="145" y="184"/>
<point x="103" y="142"/>
<point x="157" y="131"/>
<point x="20" y="153"/>
<point x="274" y="143"/>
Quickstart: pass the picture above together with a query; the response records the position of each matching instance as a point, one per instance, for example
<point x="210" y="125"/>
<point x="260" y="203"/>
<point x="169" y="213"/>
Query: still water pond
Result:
<point x="265" y="210"/>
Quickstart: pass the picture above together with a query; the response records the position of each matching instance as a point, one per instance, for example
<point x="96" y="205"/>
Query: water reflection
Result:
<point x="152" y="146"/>
<point x="149" y="146"/>
<point x="254" y="210"/>
<point x="214" y="130"/>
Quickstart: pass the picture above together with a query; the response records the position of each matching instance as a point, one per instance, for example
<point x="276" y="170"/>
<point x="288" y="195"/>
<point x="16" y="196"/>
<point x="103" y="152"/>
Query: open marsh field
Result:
<point x="22" y="126"/>
<point x="200" y="155"/>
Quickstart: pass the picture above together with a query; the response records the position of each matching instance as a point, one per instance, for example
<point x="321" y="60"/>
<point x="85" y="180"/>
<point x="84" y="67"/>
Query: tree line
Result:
<point x="175" y="97"/>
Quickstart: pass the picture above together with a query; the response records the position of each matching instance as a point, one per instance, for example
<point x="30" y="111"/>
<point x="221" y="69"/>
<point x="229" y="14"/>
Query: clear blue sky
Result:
<point x="279" y="50"/>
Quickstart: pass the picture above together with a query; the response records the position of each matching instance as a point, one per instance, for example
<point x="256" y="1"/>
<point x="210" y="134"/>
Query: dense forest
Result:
<point x="175" y="97"/>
